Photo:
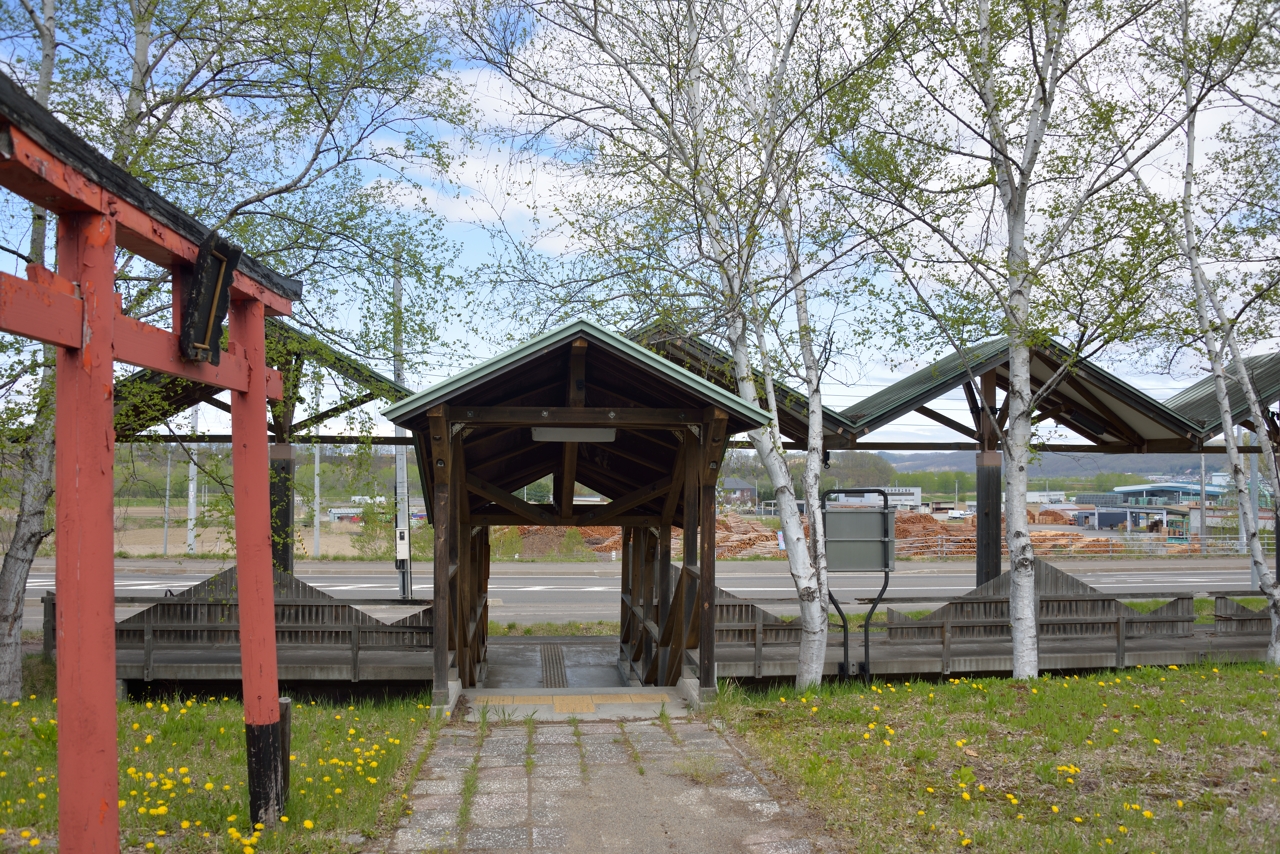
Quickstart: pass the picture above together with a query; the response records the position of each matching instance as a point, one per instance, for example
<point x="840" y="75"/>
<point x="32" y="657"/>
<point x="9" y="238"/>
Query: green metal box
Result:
<point x="859" y="539"/>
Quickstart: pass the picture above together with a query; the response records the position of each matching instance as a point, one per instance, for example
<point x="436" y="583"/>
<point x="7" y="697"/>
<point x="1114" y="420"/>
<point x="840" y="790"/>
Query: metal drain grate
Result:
<point x="553" y="675"/>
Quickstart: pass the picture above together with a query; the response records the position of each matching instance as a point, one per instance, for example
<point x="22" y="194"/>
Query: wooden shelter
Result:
<point x="1111" y="415"/>
<point x="593" y="408"/>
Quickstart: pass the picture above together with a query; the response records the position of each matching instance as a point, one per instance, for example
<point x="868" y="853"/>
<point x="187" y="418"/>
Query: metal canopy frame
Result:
<point x="476" y="449"/>
<point x="147" y="398"/>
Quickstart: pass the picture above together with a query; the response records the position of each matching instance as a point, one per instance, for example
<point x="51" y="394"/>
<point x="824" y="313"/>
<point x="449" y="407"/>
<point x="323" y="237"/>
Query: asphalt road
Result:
<point x="525" y="593"/>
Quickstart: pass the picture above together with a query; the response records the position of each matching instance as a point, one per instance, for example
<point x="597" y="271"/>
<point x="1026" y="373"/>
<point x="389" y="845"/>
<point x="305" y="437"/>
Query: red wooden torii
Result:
<point x="100" y="208"/>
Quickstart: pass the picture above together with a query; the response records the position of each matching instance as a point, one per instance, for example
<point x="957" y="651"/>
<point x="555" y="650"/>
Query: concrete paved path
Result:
<point x="597" y="787"/>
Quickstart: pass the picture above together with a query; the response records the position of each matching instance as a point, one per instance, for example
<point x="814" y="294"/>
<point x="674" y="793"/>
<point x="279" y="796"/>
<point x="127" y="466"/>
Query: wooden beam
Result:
<point x="975" y="409"/>
<point x="48" y="312"/>
<point x="946" y="422"/>
<point x="490" y="518"/>
<point x="29" y="170"/>
<point x="47" y="309"/>
<point x="677" y="486"/>
<point x="576" y="399"/>
<point x="620" y="505"/>
<point x="564" y="416"/>
<point x="507" y="501"/>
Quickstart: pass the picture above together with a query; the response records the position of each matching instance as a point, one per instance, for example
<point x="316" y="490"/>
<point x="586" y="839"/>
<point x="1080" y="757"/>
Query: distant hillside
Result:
<point x="1069" y="465"/>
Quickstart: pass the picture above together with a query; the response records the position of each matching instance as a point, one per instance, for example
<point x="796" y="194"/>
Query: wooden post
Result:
<point x="442" y="519"/>
<point x="713" y="447"/>
<point x="256" y="591"/>
<point x="88" y="816"/>
<point x="989" y="530"/>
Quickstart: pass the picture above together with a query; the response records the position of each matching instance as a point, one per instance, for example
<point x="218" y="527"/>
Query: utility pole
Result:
<point x="403" y="558"/>
<point x="168" y="467"/>
<point x="1204" y="516"/>
<point x="191" y="484"/>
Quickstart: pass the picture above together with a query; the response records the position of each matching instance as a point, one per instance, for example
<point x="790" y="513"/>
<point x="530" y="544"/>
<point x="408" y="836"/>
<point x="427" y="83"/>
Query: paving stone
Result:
<point x="544" y="771"/>
<point x="502" y="801"/>
<point x="438" y="802"/>
<point x="744" y="793"/>
<point x="499" y="818"/>
<point x="607" y="755"/>
<point x="553" y="735"/>
<point x="433" y="819"/>
<point x="421" y="839"/>
<point x="561" y="784"/>
<point x="765" y="810"/>
<point x="438" y="787"/>
<point x="558" y="755"/>
<point x="550" y="837"/>
<point x="598" y="728"/>
<point x="503" y="773"/>
<point x="496" y="837"/>
<point x="785" y="846"/>
<point x="515" y="761"/>
<point x="503" y="785"/>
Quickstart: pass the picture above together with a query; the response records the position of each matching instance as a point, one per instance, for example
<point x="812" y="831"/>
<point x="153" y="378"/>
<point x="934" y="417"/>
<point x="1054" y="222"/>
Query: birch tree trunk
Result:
<point x="1206" y="297"/>
<point x="37" y="458"/>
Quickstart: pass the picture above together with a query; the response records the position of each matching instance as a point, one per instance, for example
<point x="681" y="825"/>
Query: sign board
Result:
<point x="402" y="543"/>
<point x="206" y="293"/>
<point x="859" y="538"/>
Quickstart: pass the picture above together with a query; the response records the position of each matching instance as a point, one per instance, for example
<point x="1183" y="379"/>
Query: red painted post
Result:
<point x="253" y="563"/>
<point x="88" y="818"/>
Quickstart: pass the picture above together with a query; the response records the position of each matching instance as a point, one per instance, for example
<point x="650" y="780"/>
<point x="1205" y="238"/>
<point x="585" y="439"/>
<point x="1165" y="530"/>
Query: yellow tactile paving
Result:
<point x="611" y="698"/>
<point x="495" y="701"/>
<point x="650" y="698"/>
<point x="531" y="700"/>
<point x="574" y="704"/>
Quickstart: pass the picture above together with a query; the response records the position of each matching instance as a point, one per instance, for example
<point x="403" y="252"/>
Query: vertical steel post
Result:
<point x="168" y="472"/>
<point x="192" y="483"/>
<point x="315" y="533"/>
<point x="404" y="567"/>
<point x="1204" y="522"/>
<point x="253" y="562"/>
<point x="88" y="817"/>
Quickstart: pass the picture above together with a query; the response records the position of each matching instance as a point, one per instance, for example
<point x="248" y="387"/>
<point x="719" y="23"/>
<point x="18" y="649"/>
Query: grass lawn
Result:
<point x="597" y="628"/>
<point x="182" y="772"/>
<point x="1146" y="759"/>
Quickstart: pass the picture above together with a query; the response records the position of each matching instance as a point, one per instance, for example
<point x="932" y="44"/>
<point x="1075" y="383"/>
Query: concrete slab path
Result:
<point x="640" y="786"/>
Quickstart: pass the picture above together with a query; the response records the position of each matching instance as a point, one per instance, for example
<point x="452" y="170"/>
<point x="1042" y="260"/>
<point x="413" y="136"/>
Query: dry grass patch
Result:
<point x="1147" y="759"/>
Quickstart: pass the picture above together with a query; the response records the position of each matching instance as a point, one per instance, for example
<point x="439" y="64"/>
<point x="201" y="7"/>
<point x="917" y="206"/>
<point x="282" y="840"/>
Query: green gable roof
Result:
<point x="1199" y="403"/>
<point x="633" y="352"/>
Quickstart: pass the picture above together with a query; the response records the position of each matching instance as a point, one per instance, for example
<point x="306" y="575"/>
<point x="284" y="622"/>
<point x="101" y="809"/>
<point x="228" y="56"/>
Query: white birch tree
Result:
<point x="685" y="119"/>
<point x="1000" y="208"/>
<point x="1221" y="217"/>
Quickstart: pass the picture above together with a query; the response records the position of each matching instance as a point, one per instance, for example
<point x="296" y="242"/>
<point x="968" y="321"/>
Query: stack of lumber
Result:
<point x="738" y="537"/>
<point x="1054" y="517"/>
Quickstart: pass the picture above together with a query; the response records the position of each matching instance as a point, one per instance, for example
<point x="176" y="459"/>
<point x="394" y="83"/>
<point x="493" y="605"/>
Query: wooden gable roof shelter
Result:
<point x="1199" y="403"/>
<point x="588" y="407"/>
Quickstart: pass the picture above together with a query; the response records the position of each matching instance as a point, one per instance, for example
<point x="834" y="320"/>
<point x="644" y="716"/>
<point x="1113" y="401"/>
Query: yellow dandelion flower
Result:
<point x="308" y="824"/>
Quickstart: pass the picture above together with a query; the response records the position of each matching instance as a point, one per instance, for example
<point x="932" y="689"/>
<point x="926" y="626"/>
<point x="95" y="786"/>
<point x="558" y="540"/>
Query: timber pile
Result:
<point x="735" y="537"/>
<point x="972" y="521"/>
<point x="1054" y="517"/>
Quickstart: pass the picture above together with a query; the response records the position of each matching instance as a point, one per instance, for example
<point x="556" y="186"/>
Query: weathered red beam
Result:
<point x="40" y="313"/>
<point x="148" y="346"/>
<point x="47" y="309"/>
<point x="29" y="170"/>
